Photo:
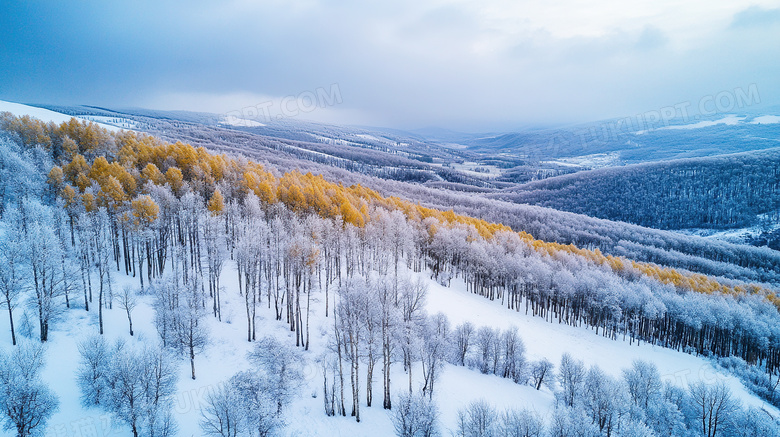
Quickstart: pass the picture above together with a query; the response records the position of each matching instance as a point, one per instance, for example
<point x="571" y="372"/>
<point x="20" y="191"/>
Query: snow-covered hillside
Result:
<point x="227" y="349"/>
<point x="46" y="115"/>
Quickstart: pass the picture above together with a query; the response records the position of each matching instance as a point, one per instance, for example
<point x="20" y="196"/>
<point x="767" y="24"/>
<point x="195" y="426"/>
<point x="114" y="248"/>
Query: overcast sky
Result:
<point x="468" y="65"/>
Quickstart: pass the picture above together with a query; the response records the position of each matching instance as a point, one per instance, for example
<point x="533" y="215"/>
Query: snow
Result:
<point x="551" y="340"/>
<point x="241" y="122"/>
<point x="458" y="386"/>
<point x="766" y="119"/>
<point x="729" y="120"/>
<point x="469" y="168"/>
<point x="124" y="123"/>
<point x="593" y="161"/>
<point x="736" y="235"/>
<point x="374" y="138"/>
<point x="45" y="115"/>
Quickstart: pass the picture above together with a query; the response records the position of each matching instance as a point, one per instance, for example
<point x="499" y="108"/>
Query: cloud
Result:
<point x="462" y="64"/>
<point x="651" y="38"/>
<point x="755" y="16"/>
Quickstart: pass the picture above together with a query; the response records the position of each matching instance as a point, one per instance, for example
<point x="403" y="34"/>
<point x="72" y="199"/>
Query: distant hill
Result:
<point x="728" y="191"/>
<point x="708" y="137"/>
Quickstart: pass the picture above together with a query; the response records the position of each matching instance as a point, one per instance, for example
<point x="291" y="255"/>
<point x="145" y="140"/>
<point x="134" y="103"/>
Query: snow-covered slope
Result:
<point x="45" y="115"/>
<point x="226" y="355"/>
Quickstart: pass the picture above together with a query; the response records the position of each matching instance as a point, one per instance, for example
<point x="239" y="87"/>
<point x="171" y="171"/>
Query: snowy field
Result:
<point x="766" y="119"/>
<point x="729" y="120"/>
<point x="226" y="355"/>
<point x="241" y="122"/>
<point x="594" y="161"/>
<point x="122" y="123"/>
<point x="46" y="115"/>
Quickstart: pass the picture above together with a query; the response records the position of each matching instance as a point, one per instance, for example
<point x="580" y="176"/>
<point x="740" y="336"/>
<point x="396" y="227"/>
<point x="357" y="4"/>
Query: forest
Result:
<point x="706" y="256"/>
<point x="81" y="204"/>
<point x="725" y="192"/>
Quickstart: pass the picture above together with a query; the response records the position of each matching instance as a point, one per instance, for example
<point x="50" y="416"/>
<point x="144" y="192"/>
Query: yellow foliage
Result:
<point x="69" y="195"/>
<point x="89" y="202"/>
<point x="175" y="179"/>
<point x="69" y="148"/>
<point x="56" y="177"/>
<point x="77" y="166"/>
<point x="153" y="174"/>
<point x="82" y="181"/>
<point x="111" y="194"/>
<point x="217" y="203"/>
<point x="100" y="170"/>
<point x="145" y="211"/>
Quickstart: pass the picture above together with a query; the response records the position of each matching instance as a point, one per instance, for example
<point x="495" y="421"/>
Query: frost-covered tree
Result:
<point x="755" y="422"/>
<point x="44" y="253"/>
<point x="521" y="423"/>
<point x="93" y="369"/>
<point x="166" y="301"/>
<point x="372" y="347"/>
<point x="711" y="408"/>
<point x="12" y="266"/>
<point x="215" y="244"/>
<point x="251" y="256"/>
<point x="223" y="414"/>
<point x="179" y="317"/>
<point x="643" y="382"/>
<point x="542" y="373"/>
<point x="664" y="415"/>
<point x="332" y="384"/>
<point x="191" y="332"/>
<point x="433" y="351"/>
<point x="257" y="405"/>
<point x="103" y="253"/>
<point x="462" y="337"/>
<point x="572" y="422"/>
<point x="128" y="301"/>
<point x="350" y="320"/>
<point x="604" y="400"/>
<point x="412" y="305"/>
<point x="282" y="367"/>
<point x="251" y="402"/>
<point x="488" y="349"/>
<point x="136" y="385"/>
<point x="391" y="321"/>
<point x="26" y="403"/>
<point x="478" y="419"/>
<point x="415" y="415"/>
<point x="636" y="429"/>
<point x="22" y="173"/>
<point x="571" y="378"/>
<point x="513" y="356"/>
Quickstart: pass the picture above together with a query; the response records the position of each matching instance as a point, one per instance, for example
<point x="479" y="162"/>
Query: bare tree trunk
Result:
<point x="11" y="318"/>
<point x="130" y="319"/>
<point x="369" y="377"/>
<point x="192" y="359"/>
<point x="100" y="306"/>
<point x="248" y="314"/>
<point x="308" y="306"/>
